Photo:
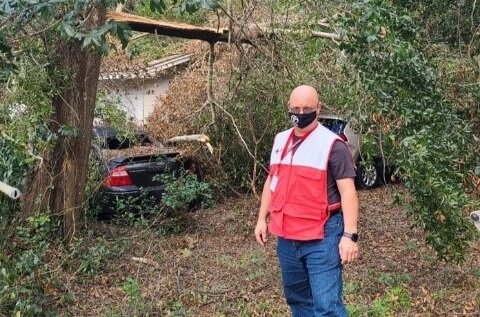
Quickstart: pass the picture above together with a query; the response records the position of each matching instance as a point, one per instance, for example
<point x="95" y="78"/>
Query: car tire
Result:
<point x="385" y="173"/>
<point x="369" y="175"/>
<point x="192" y="166"/>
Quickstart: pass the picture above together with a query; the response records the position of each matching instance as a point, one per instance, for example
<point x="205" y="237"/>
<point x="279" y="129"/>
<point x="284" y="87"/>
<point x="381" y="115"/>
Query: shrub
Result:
<point x="23" y="268"/>
<point x="186" y="190"/>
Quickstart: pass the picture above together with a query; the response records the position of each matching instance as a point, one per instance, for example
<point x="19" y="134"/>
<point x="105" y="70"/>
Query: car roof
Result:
<point x="330" y="115"/>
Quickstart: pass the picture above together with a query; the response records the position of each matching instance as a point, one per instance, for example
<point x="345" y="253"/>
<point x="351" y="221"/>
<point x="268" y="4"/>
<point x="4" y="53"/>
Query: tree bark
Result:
<point x="59" y="185"/>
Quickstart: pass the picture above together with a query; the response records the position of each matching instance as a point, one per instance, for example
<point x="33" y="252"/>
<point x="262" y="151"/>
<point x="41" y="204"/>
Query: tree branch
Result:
<point x="18" y="39"/>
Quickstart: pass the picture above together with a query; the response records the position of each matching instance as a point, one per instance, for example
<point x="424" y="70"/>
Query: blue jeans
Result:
<point x="312" y="273"/>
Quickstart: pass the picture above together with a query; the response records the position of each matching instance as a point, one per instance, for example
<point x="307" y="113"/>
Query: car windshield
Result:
<point x="108" y="138"/>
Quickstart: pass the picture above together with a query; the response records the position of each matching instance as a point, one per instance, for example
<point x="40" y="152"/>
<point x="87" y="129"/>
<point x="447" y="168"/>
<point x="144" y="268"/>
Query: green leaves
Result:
<point x="191" y="6"/>
<point x="433" y="140"/>
<point x="122" y="31"/>
<point x="157" y="5"/>
<point x="7" y="60"/>
<point x="96" y="37"/>
<point x="69" y="31"/>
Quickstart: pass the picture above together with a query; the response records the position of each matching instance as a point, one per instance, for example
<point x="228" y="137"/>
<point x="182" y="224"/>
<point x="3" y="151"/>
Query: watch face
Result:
<point x="354" y="237"/>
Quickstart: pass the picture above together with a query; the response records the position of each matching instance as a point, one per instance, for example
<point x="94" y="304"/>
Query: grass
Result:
<point x="394" y="302"/>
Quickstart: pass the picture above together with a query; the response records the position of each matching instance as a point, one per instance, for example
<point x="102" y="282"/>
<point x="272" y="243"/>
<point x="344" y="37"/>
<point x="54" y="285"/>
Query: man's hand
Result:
<point x="261" y="232"/>
<point x="348" y="250"/>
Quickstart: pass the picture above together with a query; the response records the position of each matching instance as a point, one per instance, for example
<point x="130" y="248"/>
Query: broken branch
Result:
<point x="145" y="261"/>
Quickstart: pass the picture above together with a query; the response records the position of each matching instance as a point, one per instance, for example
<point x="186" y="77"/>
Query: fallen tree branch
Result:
<point x="331" y="36"/>
<point x="145" y="261"/>
<point x="211" y="35"/>
<point x="193" y="137"/>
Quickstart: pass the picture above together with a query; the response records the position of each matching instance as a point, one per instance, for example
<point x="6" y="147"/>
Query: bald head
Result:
<point x="304" y="96"/>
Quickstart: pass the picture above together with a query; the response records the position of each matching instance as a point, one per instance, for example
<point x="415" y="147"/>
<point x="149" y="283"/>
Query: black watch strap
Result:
<point x="352" y="236"/>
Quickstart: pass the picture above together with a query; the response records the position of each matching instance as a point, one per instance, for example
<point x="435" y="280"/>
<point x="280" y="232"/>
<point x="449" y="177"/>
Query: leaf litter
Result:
<point x="214" y="267"/>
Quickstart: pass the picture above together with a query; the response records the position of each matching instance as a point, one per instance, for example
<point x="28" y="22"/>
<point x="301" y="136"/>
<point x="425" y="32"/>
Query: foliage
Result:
<point x="394" y="301"/>
<point x="184" y="190"/>
<point x="447" y="22"/>
<point x="28" y="271"/>
<point x="252" y="106"/>
<point x="90" y="256"/>
<point x="22" y="119"/>
<point x="132" y="289"/>
<point x="152" y="47"/>
<point x="22" y="268"/>
<point x="24" y="134"/>
<point x="175" y="10"/>
<point x="136" y="210"/>
<point x="430" y="140"/>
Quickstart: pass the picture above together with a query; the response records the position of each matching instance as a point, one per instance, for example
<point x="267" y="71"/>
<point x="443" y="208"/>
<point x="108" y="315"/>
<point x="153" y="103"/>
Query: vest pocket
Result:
<point x="275" y="206"/>
<point x="309" y="183"/>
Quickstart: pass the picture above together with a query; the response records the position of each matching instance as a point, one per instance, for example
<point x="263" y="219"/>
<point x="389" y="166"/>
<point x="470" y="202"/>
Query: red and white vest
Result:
<point x="299" y="206"/>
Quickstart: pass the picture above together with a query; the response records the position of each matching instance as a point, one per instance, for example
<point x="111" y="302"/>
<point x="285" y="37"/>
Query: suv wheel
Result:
<point x="368" y="175"/>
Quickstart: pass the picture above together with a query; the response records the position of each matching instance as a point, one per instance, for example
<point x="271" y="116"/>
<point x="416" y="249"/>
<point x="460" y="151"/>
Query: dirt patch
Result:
<point x="215" y="268"/>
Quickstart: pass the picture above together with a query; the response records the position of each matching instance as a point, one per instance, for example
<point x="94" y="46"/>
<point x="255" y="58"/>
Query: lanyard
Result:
<point x="287" y="149"/>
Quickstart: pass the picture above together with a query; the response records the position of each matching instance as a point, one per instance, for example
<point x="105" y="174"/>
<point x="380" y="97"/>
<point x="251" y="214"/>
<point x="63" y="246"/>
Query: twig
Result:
<point x="18" y="39"/>
<point x="230" y="22"/>
<point x="139" y="36"/>
<point x="239" y="134"/>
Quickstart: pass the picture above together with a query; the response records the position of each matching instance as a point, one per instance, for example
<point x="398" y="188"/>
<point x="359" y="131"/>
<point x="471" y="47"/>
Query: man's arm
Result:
<point x="349" y="200"/>
<point x="261" y="228"/>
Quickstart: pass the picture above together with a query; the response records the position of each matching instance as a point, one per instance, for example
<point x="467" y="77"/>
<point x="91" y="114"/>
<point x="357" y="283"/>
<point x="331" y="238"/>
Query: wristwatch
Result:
<point x="352" y="236"/>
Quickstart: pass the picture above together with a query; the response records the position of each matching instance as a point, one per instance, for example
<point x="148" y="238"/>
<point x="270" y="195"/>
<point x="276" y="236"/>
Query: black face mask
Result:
<point x="302" y="120"/>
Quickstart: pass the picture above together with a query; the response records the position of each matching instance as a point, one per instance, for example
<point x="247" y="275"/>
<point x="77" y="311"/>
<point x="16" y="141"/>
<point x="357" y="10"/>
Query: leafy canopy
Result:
<point x="429" y="139"/>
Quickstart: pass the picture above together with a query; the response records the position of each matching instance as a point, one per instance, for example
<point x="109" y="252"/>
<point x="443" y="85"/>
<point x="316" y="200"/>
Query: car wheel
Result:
<point x="368" y="175"/>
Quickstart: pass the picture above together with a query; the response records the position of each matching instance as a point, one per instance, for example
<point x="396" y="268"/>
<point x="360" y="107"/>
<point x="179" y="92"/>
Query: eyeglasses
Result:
<point x="305" y="110"/>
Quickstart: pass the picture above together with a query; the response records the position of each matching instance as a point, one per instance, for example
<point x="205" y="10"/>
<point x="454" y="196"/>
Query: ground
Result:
<point x="207" y="263"/>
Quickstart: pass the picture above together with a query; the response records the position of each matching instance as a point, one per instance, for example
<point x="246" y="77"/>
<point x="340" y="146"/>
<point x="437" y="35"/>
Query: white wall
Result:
<point x="137" y="96"/>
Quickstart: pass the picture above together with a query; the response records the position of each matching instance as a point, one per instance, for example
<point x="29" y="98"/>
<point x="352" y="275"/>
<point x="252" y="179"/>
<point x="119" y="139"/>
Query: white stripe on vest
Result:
<point x="313" y="152"/>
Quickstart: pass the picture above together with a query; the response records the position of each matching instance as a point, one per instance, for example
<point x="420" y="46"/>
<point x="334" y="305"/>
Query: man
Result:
<point x="310" y="197"/>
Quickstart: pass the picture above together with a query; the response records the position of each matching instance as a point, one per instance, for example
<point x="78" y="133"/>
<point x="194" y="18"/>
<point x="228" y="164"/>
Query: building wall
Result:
<point x="137" y="96"/>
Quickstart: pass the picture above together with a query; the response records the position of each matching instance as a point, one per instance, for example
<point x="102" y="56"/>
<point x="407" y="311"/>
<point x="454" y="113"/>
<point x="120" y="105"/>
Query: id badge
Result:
<point x="273" y="183"/>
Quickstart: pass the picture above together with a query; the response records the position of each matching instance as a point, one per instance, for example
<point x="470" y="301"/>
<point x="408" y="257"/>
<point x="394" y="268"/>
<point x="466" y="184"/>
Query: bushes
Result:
<point x="429" y="138"/>
<point x="186" y="191"/>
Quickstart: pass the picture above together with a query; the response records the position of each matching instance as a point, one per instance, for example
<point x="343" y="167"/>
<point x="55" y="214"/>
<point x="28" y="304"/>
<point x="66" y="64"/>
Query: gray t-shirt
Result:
<point x="340" y="166"/>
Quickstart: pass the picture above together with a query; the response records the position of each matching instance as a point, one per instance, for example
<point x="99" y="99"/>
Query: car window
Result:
<point x="142" y="139"/>
<point x="107" y="138"/>
<point x="337" y="126"/>
<point x="116" y="144"/>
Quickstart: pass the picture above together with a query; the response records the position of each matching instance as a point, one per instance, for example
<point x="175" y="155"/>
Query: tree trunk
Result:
<point x="59" y="185"/>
